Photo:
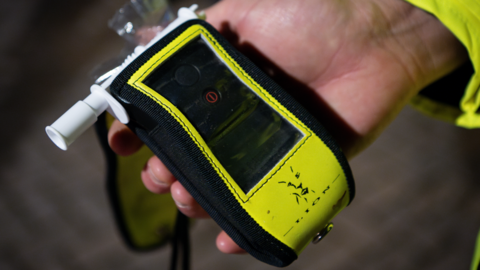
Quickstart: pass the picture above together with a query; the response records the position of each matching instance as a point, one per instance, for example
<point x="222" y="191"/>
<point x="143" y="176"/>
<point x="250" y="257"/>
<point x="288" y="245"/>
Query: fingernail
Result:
<point x="181" y="205"/>
<point x="155" y="179"/>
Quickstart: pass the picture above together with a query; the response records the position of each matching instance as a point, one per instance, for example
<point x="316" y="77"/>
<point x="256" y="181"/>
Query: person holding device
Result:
<point x="352" y="64"/>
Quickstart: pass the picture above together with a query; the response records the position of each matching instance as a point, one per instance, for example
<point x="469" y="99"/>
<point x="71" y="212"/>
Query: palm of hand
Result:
<point x="352" y="67"/>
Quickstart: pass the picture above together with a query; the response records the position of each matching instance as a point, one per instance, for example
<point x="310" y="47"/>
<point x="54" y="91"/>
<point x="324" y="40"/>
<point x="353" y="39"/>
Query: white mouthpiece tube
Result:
<point x="82" y="115"/>
<point x="76" y="120"/>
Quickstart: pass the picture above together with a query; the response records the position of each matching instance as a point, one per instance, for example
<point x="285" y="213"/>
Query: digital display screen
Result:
<point x="246" y="135"/>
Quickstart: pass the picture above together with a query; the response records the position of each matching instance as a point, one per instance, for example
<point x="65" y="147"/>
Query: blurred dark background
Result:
<point x="417" y="203"/>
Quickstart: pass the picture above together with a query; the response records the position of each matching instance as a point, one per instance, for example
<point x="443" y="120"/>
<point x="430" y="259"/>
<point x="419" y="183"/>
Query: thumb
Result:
<point x="227" y="12"/>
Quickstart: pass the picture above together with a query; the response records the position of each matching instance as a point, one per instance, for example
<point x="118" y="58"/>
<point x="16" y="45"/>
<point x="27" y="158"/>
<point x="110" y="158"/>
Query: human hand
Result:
<point x="352" y="64"/>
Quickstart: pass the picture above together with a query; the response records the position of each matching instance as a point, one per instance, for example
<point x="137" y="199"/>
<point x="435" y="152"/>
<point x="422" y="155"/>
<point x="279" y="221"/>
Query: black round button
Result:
<point x="187" y="75"/>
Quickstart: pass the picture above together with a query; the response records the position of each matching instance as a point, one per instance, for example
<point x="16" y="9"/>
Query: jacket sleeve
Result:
<point x="456" y="97"/>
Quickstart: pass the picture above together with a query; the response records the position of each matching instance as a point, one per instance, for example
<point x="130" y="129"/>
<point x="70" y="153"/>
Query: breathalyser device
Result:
<point x="263" y="168"/>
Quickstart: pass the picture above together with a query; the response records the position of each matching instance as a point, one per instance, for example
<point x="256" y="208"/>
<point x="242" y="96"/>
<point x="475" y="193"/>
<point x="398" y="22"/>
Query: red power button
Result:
<point x="211" y="96"/>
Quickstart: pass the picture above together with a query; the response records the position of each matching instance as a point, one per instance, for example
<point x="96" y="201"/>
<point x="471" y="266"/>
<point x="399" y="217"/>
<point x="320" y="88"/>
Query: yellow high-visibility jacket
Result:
<point x="456" y="98"/>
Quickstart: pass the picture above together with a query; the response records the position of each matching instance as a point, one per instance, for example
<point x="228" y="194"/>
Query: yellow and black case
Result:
<point x="263" y="168"/>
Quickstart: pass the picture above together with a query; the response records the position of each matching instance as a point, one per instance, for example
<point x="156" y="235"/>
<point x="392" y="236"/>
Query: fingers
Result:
<point x="156" y="177"/>
<point x="226" y="245"/>
<point x="122" y="140"/>
<point x="186" y="203"/>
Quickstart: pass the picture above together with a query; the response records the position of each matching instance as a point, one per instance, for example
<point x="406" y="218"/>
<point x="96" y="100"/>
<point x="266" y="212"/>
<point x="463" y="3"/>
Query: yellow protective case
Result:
<point x="293" y="202"/>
